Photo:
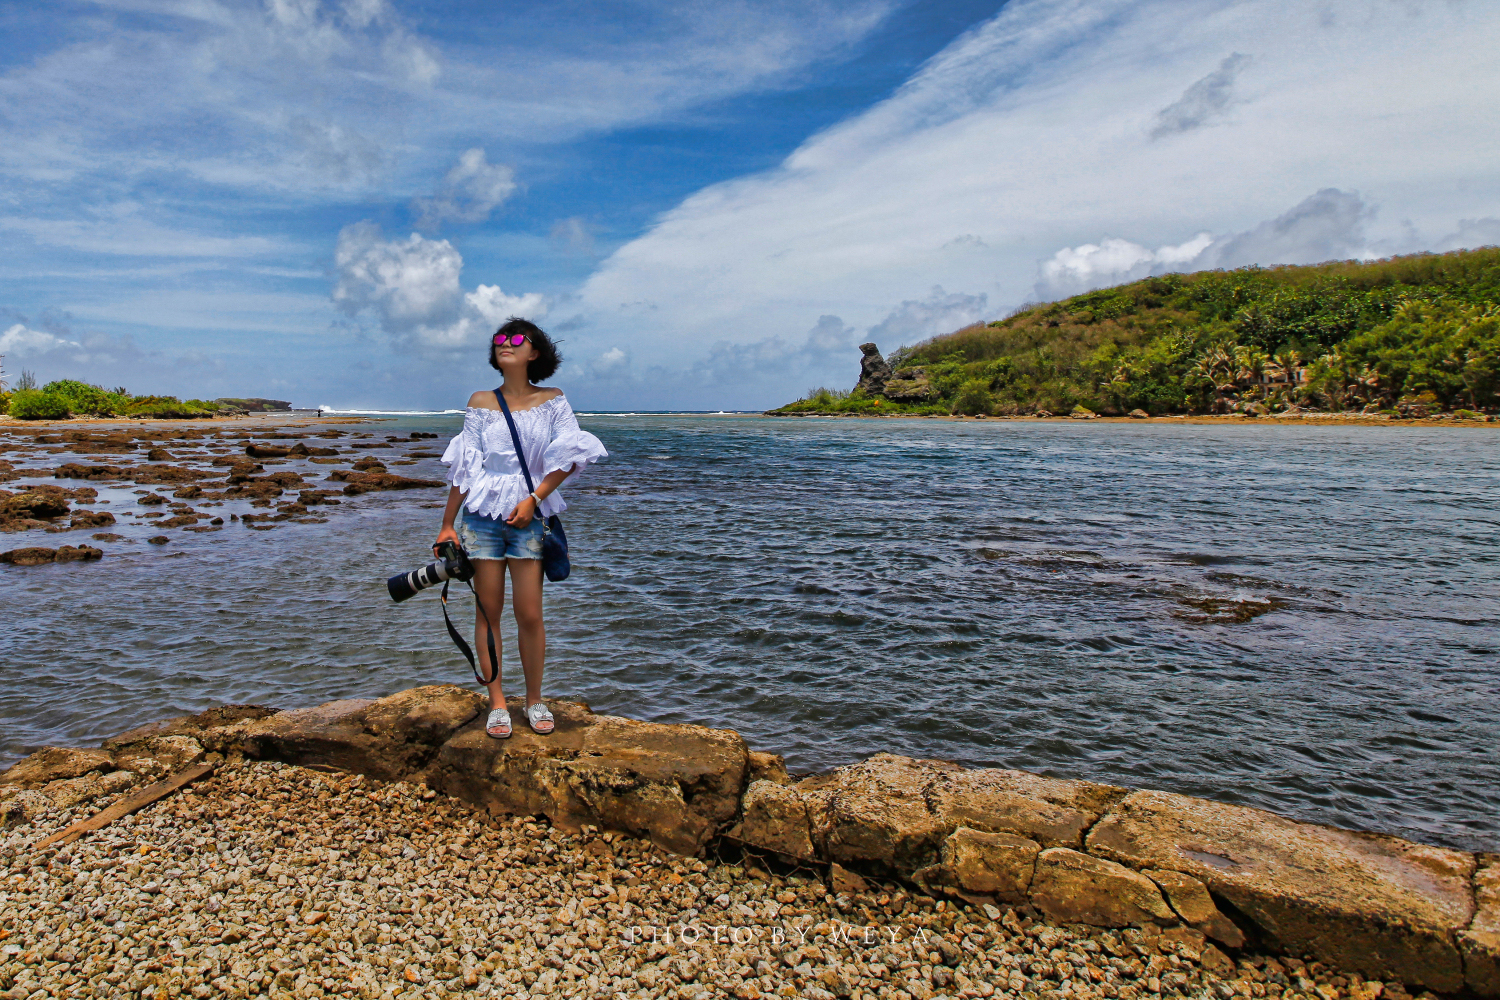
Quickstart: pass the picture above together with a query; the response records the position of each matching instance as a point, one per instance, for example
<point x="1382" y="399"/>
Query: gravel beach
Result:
<point x="266" y="879"/>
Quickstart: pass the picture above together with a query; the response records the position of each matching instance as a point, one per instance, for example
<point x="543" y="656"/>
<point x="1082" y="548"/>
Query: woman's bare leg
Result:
<point x="489" y="584"/>
<point x="531" y="634"/>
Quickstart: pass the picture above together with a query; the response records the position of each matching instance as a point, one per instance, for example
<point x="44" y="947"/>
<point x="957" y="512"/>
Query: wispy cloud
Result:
<point x="1033" y="132"/>
<point x="1204" y="101"/>
<point x="469" y="192"/>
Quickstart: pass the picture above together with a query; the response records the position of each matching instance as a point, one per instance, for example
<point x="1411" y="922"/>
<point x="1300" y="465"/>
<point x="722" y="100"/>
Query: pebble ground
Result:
<point x="280" y="881"/>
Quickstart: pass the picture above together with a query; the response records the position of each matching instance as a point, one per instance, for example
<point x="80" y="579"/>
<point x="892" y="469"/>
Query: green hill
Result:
<point x="1407" y="335"/>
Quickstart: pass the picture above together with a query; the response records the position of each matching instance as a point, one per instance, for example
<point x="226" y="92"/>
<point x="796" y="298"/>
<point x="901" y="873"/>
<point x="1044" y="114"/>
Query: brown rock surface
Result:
<point x="388" y="739"/>
<point x="1480" y="943"/>
<point x="1072" y="887"/>
<point x="1371" y="903"/>
<point x="53" y="763"/>
<point x="768" y="767"/>
<point x="774" y="818"/>
<point x="677" y="784"/>
<point x="78" y="553"/>
<point x="95" y="473"/>
<point x="31" y="556"/>
<point x="144" y="474"/>
<point x="997" y="866"/>
<point x="1191" y="900"/>
<point x="365" y="482"/>
<point x="898" y="810"/>
<point x="34" y="504"/>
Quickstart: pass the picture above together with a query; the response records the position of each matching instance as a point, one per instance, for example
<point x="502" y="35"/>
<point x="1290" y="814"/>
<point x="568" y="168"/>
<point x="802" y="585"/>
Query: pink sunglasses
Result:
<point x="513" y="340"/>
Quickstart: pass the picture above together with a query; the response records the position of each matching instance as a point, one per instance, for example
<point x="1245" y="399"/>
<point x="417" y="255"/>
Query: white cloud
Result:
<point x="1329" y="225"/>
<point x="412" y="288"/>
<point x="918" y="319"/>
<point x="1034" y="132"/>
<point x="21" y="340"/>
<point x="469" y="192"/>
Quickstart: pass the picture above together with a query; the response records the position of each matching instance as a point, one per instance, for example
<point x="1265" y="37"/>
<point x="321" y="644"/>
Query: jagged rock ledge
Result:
<point x="1074" y="851"/>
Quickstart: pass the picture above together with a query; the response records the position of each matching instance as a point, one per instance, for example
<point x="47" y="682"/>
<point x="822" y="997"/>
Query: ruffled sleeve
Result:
<point x="465" y="455"/>
<point x="571" y="446"/>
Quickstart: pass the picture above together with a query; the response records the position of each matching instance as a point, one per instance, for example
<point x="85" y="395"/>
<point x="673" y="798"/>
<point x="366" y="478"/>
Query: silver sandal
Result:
<point x="538" y="714"/>
<point x="498" y="717"/>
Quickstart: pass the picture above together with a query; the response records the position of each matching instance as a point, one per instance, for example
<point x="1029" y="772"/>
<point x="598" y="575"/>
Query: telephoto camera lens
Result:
<point x="454" y="565"/>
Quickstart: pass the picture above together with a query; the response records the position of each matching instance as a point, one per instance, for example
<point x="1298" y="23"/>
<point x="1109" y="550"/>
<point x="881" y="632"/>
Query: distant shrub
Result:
<point x="973" y="397"/>
<point x="87" y="399"/>
<point x="168" y="407"/>
<point x="4" y="402"/>
<point x="34" y="404"/>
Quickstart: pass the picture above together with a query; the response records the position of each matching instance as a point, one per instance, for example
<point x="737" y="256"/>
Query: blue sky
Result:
<point x="334" y="201"/>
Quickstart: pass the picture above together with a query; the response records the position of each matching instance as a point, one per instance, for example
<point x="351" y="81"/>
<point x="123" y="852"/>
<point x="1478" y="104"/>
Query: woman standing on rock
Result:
<point x="499" y="521"/>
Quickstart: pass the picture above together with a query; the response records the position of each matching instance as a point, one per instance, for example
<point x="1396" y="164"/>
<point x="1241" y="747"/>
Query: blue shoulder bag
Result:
<point x="554" y="542"/>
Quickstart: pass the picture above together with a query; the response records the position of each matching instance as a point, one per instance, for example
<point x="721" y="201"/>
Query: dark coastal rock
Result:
<point x="188" y="492"/>
<point x="158" y="539"/>
<point x="36" y="503"/>
<point x="151" y="500"/>
<point x="676" y="784"/>
<point x="366" y="482"/>
<point x="266" y="451"/>
<point x="94" y="473"/>
<point x="1138" y="414"/>
<point x="873" y="371"/>
<point x="1376" y="904"/>
<point x="78" y="553"/>
<point x="147" y="474"/>
<point x="369" y="464"/>
<point x="91" y="519"/>
<point x="159" y="455"/>
<point x="910" y="385"/>
<point x="32" y="556"/>
<point x="178" y="521"/>
<point x="301" y="449"/>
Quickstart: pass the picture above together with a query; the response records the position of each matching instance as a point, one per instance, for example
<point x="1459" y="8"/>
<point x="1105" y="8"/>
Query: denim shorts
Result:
<point x="492" y="538"/>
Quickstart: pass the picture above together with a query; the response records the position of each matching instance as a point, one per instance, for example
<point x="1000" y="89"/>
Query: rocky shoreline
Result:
<point x="197" y="476"/>
<point x="383" y="848"/>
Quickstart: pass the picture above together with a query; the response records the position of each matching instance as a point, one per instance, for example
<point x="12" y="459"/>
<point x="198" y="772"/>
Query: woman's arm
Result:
<point x="526" y="509"/>
<point x="447" y="534"/>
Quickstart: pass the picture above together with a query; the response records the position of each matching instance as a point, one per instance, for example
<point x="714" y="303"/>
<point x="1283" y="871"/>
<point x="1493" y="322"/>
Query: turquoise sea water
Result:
<point x="1305" y="619"/>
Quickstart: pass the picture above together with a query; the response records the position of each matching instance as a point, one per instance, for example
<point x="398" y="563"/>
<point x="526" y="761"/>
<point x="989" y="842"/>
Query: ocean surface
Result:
<point x="1305" y="619"/>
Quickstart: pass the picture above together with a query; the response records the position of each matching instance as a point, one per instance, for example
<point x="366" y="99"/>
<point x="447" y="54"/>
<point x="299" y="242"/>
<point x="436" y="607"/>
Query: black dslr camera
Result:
<point x="452" y="564"/>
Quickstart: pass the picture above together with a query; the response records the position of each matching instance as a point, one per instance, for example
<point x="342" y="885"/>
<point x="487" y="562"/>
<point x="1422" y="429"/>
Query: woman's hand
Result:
<point x="446" y="535"/>
<point x="522" y="515"/>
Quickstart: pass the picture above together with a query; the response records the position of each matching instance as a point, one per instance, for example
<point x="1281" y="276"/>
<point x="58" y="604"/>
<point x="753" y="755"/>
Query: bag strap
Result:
<point x="463" y="647"/>
<point x="515" y="438"/>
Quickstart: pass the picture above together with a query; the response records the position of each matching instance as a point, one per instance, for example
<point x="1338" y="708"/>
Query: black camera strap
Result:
<point x="463" y="646"/>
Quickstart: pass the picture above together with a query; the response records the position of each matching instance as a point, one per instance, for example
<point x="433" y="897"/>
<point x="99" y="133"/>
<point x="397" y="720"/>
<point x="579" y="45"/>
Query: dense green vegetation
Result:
<point x="1407" y="335"/>
<point x="66" y="397"/>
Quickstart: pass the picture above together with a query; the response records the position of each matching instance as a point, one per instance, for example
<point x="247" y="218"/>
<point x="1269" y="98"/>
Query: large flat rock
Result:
<point x="1364" y="902"/>
<point x="1480" y="943"/>
<point x="676" y="784"/>
<point x="897" y="811"/>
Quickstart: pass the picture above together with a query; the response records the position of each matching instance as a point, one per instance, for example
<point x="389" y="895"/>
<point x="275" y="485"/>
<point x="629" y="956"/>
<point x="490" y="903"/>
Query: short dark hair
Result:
<point x="547" y="358"/>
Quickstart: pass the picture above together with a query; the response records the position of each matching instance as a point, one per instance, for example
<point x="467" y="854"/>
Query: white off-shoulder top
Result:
<point x="482" y="458"/>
